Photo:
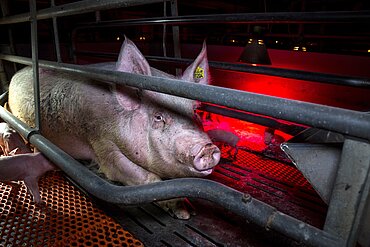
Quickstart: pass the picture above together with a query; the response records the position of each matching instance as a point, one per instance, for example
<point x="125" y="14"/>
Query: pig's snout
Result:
<point x="201" y="156"/>
<point x="206" y="156"/>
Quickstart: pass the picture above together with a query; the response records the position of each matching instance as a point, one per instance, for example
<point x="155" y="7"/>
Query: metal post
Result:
<point x="164" y="29"/>
<point x="350" y="192"/>
<point x="3" y="79"/>
<point x="176" y="35"/>
<point x="56" y="35"/>
<point x="5" y="11"/>
<point x="35" y="64"/>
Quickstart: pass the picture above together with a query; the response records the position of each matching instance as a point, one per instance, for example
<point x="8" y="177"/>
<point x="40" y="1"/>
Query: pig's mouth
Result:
<point x="203" y="172"/>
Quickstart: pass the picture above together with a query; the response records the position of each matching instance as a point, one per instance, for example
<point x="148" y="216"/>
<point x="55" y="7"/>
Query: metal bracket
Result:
<point x="350" y="192"/>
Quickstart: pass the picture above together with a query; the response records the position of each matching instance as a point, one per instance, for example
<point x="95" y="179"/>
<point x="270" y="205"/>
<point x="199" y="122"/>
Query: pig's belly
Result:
<point x="74" y="147"/>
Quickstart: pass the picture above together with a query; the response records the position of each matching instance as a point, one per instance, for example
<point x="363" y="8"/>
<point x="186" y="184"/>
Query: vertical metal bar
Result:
<point x="350" y="192"/>
<point x="176" y="34"/>
<point x="56" y="35"/>
<point x="35" y="64"/>
<point x="3" y="79"/>
<point x="364" y="236"/>
<point x="5" y="11"/>
<point x="164" y="29"/>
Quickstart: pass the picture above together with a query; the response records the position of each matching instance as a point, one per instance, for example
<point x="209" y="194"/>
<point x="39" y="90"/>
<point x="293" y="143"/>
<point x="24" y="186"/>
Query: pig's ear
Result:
<point x="131" y="60"/>
<point x="128" y="97"/>
<point x="198" y="71"/>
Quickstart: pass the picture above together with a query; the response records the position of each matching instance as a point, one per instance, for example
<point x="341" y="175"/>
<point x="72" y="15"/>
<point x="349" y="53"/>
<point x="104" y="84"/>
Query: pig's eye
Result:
<point x="158" y="118"/>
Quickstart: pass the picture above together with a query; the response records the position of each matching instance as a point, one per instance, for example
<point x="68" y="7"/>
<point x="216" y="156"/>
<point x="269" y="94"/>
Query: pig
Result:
<point x="136" y="136"/>
<point x="11" y="140"/>
<point x="26" y="167"/>
<point x="225" y="137"/>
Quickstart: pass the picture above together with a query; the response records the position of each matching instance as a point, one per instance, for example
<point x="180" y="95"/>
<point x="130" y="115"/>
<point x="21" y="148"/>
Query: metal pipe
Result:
<point x="292" y="129"/>
<point x="35" y="64"/>
<point x="164" y="35"/>
<point x="56" y="35"/>
<point x="244" y="205"/>
<point x="5" y="11"/>
<point x="286" y="73"/>
<point x="176" y="35"/>
<point x="263" y="70"/>
<point x="344" y="121"/>
<point x="275" y="17"/>
<point x="79" y="7"/>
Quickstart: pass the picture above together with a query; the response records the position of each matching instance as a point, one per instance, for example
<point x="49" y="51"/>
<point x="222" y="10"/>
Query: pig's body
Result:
<point x="10" y="140"/>
<point x="27" y="168"/>
<point x="136" y="136"/>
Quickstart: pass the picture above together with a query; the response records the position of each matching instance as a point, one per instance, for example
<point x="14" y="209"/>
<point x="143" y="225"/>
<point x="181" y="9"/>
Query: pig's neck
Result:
<point x="136" y="135"/>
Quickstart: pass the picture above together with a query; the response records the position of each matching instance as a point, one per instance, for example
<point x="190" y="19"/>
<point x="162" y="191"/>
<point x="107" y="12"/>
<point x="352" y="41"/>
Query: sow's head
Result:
<point x="176" y="146"/>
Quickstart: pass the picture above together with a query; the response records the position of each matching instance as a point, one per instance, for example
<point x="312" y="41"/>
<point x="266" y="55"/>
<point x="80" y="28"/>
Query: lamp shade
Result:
<point x="255" y="52"/>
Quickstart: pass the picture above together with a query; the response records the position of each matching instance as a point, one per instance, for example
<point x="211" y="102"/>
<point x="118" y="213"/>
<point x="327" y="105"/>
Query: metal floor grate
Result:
<point x="66" y="218"/>
<point x="279" y="184"/>
<point x="276" y="183"/>
<point x="71" y="219"/>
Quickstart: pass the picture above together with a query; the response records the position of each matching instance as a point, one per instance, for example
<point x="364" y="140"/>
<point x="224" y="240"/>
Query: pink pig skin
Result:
<point x="11" y="140"/>
<point x="26" y="167"/>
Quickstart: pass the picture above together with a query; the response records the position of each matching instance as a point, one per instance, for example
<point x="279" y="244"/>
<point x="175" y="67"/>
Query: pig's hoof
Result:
<point x="176" y="208"/>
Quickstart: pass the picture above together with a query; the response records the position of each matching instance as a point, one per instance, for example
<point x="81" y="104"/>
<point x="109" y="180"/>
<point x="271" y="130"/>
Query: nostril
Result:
<point x="207" y="158"/>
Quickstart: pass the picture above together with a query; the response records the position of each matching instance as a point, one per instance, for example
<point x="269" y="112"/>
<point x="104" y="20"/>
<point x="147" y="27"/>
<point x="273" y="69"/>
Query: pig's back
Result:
<point x="67" y="107"/>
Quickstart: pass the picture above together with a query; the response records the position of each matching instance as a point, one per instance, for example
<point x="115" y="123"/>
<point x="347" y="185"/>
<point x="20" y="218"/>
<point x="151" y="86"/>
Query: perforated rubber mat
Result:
<point x="66" y="217"/>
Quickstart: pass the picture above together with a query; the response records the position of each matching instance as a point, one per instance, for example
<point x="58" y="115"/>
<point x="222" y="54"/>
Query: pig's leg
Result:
<point x="116" y="166"/>
<point x="178" y="208"/>
<point x="33" y="188"/>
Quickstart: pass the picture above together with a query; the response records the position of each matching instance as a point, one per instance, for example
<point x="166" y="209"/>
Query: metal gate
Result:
<point x="347" y="206"/>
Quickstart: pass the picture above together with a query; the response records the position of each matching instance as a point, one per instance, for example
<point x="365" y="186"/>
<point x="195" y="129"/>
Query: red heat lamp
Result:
<point x="255" y="52"/>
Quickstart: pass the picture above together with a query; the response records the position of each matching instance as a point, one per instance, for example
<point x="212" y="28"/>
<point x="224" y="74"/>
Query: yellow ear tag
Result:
<point x="199" y="73"/>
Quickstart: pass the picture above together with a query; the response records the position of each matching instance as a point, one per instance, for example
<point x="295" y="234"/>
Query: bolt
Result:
<point x="246" y="198"/>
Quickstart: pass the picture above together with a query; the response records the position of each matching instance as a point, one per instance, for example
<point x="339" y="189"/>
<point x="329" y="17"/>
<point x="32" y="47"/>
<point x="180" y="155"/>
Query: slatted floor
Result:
<point x="69" y="218"/>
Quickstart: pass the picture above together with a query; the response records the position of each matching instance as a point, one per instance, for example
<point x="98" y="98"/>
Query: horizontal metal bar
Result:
<point x="79" y="7"/>
<point x="263" y="70"/>
<point x="344" y="121"/>
<point x="286" y="73"/>
<point x="291" y="129"/>
<point x="275" y="17"/>
<point x="244" y="205"/>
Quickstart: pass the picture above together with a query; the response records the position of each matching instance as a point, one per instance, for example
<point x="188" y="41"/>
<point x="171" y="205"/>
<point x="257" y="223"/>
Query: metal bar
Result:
<point x="291" y="129"/>
<point x="350" y="192"/>
<point x="5" y="11"/>
<point x="35" y="64"/>
<point x="344" y="121"/>
<point x="164" y="36"/>
<point x="176" y="35"/>
<point x="286" y="73"/>
<point x="74" y="8"/>
<point x="56" y="35"/>
<point x="244" y="205"/>
<point x="276" y="17"/>
<point x="3" y="78"/>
